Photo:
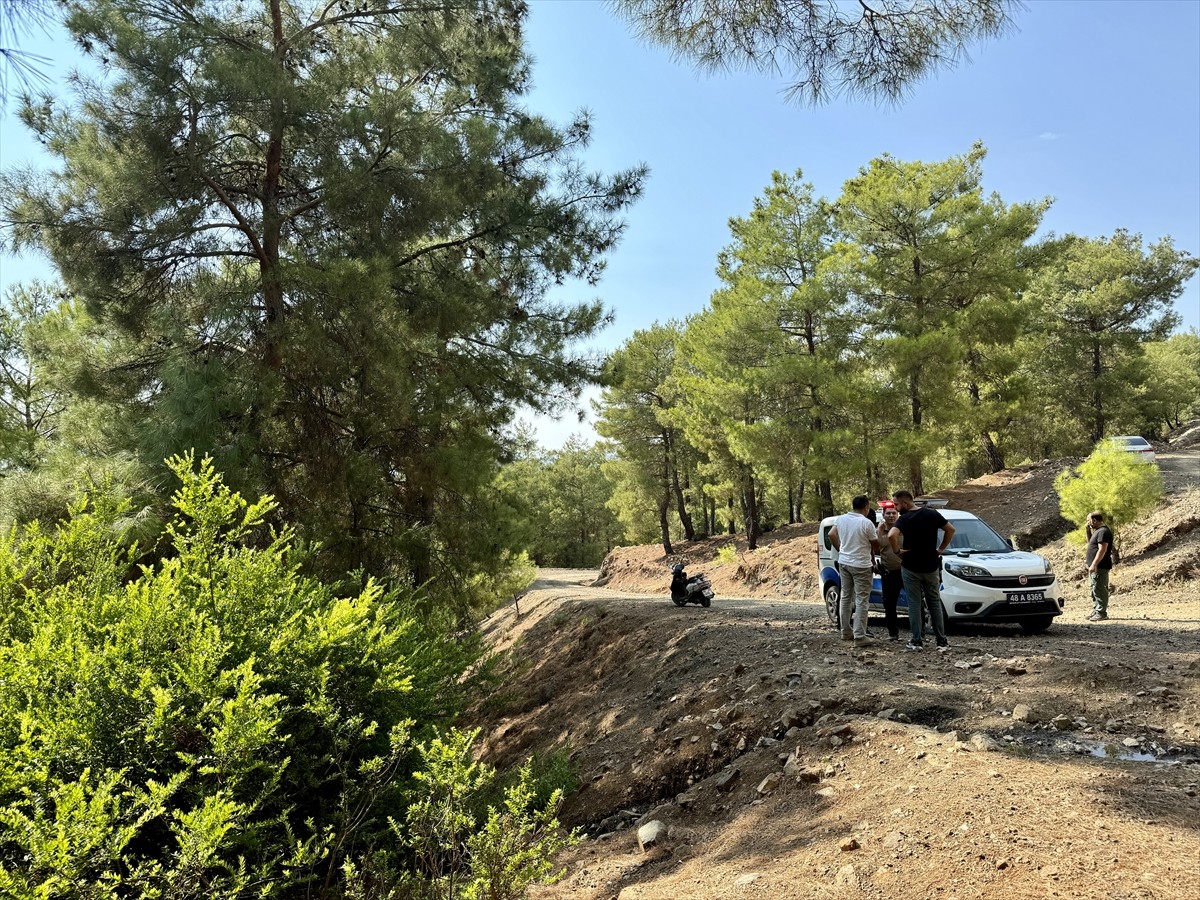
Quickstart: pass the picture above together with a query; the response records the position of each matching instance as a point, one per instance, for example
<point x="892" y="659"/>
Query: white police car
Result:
<point x="984" y="579"/>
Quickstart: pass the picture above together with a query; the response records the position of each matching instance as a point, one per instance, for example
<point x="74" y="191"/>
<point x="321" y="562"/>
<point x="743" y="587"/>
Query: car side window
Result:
<point x="825" y="537"/>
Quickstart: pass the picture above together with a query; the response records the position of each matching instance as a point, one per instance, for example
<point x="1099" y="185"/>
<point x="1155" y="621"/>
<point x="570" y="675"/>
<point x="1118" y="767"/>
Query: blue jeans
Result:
<point x="855" y="598"/>
<point x="924" y="588"/>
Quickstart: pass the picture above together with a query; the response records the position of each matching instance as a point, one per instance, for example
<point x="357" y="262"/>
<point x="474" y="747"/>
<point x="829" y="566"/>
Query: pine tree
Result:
<point x="321" y="237"/>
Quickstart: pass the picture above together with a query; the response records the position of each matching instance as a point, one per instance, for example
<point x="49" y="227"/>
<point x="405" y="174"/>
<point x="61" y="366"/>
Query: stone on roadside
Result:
<point x="651" y="835"/>
<point x="769" y="784"/>
<point x="1023" y="712"/>
<point x="1062" y="723"/>
<point x="725" y="780"/>
<point x="849" y="844"/>
<point x="1015" y="670"/>
<point x="985" y="742"/>
<point x="748" y="878"/>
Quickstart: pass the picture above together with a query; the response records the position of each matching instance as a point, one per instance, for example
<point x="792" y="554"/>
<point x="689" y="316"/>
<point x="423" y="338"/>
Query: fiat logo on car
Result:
<point x="1022" y="580"/>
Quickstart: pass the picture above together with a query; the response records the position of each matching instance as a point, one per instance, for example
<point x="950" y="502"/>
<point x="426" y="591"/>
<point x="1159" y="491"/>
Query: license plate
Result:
<point x="1027" y="597"/>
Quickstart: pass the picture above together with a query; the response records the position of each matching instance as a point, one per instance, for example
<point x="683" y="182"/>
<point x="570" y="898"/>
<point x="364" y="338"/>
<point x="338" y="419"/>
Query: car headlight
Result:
<point x="1049" y="568"/>
<point x="962" y="570"/>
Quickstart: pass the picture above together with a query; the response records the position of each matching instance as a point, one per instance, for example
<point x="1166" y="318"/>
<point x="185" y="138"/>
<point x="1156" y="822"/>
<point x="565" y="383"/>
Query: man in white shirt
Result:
<point x="856" y="540"/>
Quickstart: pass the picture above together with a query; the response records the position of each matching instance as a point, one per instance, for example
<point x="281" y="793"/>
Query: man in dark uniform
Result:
<point x="1099" y="564"/>
<point x="921" y="562"/>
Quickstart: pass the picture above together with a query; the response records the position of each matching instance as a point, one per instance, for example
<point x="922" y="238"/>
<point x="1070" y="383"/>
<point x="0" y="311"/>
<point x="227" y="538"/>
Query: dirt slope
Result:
<point x="784" y="764"/>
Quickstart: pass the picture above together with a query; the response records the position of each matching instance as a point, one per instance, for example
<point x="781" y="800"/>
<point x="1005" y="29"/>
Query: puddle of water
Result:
<point x="1112" y="751"/>
<point x="1149" y="752"/>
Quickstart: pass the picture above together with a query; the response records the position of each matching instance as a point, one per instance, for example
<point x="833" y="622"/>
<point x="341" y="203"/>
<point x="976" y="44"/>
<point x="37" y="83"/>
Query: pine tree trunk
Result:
<point x="825" y="491"/>
<point x="685" y="518"/>
<point x="916" y="476"/>
<point x="664" y="525"/>
<point x="995" y="458"/>
<point x="750" y="501"/>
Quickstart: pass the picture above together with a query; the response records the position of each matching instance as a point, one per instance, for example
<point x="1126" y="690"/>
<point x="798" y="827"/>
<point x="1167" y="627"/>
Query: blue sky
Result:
<point x="1095" y="104"/>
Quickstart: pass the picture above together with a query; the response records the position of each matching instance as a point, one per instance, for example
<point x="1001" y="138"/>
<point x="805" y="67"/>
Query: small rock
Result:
<point x="827" y="792"/>
<point x="1130" y="742"/>
<point x="888" y="714"/>
<point x="1015" y="670"/>
<point x="651" y="834"/>
<point x="985" y="742"/>
<point x="1062" y="723"/>
<point x="725" y="780"/>
<point x="687" y="799"/>
<point x="748" y="878"/>
<point x="1022" y="712"/>
<point x="849" y="844"/>
<point x="893" y="840"/>
<point x="769" y="784"/>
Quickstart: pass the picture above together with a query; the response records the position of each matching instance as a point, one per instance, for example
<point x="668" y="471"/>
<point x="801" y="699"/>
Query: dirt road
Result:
<point x="786" y="765"/>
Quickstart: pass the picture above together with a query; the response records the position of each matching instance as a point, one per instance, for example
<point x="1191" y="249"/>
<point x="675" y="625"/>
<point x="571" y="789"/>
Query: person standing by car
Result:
<point x="921" y="565"/>
<point x="1099" y="564"/>
<point x="857" y="542"/>
<point x="889" y="572"/>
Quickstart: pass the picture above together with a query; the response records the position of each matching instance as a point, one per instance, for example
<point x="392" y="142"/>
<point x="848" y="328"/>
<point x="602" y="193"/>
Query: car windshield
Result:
<point x="1132" y="442"/>
<point x="973" y="536"/>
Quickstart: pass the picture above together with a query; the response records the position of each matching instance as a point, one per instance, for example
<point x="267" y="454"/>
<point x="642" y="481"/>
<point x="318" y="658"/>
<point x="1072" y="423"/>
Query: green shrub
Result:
<point x="1110" y="481"/>
<point x="727" y="555"/>
<point x="217" y="725"/>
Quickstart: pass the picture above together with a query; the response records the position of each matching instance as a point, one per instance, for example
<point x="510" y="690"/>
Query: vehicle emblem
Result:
<point x="1022" y="579"/>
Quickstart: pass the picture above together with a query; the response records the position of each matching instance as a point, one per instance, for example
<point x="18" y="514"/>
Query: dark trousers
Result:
<point x="890" y="583"/>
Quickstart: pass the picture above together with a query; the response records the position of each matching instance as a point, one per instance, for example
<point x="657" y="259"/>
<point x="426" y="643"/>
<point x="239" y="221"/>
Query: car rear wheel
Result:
<point x="832" y="596"/>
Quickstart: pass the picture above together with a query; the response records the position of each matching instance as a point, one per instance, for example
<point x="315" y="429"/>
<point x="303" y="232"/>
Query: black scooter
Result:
<point x="684" y="590"/>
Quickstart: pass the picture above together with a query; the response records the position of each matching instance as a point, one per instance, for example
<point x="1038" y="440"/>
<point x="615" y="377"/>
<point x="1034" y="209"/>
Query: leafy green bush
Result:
<point x="727" y="555"/>
<point x="1110" y="481"/>
<point x="461" y="854"/>
<point x="218" y="725"/>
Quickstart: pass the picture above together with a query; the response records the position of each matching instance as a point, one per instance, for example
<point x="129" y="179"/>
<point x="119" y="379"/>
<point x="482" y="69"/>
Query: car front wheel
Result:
<point x="1036" y="624"/>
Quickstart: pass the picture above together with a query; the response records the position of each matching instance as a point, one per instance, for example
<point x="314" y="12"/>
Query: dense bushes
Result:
<point x="217" y="725"/>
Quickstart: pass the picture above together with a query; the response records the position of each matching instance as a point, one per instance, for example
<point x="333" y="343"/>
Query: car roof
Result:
<point x="959" y="514"/>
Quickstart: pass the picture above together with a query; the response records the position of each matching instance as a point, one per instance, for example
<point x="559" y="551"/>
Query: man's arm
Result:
<point x="948" y="531"/>
<point x="1101" y="552"/>
<point x="894" y="539"/>
<point x="834" y="539"/>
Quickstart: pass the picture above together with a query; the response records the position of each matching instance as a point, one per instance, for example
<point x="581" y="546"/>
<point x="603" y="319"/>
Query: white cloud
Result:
<point x="1049" y="136"/>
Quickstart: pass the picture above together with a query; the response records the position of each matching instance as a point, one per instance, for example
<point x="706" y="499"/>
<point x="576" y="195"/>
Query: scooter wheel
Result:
<point x="705" y="602"/>
<point x="678" y="602"/>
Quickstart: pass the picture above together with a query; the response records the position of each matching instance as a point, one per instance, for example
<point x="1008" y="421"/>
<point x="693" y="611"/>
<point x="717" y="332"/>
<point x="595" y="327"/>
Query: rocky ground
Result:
<point x="778" y="762"/>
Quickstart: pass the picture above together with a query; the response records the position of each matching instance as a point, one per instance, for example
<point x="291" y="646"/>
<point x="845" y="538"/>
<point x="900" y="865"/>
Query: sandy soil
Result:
<point x="782" y="763"/>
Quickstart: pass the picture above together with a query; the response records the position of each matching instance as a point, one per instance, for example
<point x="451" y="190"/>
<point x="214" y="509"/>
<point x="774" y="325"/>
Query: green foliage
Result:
<point x="1110" y="481"/>
<point x="217" y="725"/>
<point x="878" y="49"/>
<point x="318" y="244"/>
<point x="464" y="849"/>
<point x="1102" y="299"/>
<point x="727" y="555"/>
<point x="560" y="500"/>
<point x="1170" y="393"/>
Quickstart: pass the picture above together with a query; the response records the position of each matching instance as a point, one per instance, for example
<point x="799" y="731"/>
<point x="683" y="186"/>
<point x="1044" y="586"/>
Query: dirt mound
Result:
<point x="784" y="763"/>
<point x="1185" y="437"/>
<point x="771" y="751"/>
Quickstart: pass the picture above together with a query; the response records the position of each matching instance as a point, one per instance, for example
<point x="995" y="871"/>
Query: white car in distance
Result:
<point x="1132" y="443"/>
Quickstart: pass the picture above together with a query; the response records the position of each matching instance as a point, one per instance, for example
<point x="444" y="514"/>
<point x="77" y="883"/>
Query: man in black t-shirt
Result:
<point x="921" y="565"/>
<point x="1099" y="563"/>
